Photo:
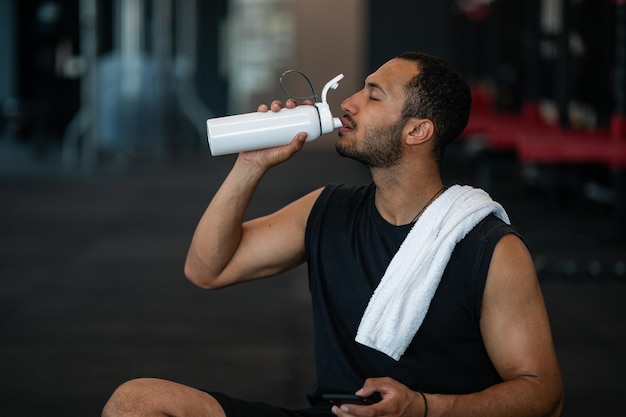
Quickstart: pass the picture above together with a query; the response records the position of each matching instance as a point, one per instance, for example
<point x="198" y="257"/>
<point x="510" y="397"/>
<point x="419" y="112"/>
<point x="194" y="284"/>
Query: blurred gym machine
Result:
<point x="139" y="100"/>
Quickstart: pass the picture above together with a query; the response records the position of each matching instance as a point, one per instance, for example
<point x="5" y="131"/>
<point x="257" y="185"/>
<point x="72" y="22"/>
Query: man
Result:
<point x="484" y="347"/>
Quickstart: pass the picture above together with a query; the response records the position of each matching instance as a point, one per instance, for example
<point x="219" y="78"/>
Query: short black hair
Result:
<point x="439" y="93"/>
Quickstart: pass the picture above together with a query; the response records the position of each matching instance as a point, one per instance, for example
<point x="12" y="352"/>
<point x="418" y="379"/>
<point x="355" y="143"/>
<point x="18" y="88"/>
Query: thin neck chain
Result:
<point x="437" y="194"/>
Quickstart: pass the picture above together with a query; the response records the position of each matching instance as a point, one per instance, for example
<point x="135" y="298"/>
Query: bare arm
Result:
<point x="224" y="250"/>
<point x="517" y="335"/>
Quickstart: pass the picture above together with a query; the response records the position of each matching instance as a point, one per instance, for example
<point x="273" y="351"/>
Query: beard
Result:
<point x="380" y="147"/>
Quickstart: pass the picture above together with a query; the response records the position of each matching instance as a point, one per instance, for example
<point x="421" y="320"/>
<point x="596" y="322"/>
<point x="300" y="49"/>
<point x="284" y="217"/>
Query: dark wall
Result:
<point x="47" y="100"/>
<point x="396" y="26"/>
<point x="212" y="86"/>
<point x="506" y="47"/>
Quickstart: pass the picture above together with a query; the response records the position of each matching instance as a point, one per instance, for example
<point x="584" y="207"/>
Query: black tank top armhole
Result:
<point x="489" y="232"/>
<point x="318" y="206"/>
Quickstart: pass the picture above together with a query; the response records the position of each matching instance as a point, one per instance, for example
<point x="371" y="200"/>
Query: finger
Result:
<point x="358" y="410"/>
<point x="298" y="141"/>
<point x="308" y="101"/>
<point x="370" y="386"/>
<point x="296" y="144"/>
<point x="291" y="103"/>
<point x="263" y="108"/>
<point x="377" y="385"/>
<point x="276" y="105"/>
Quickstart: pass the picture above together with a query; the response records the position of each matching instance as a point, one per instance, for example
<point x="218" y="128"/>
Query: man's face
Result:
<point x="373" y="127"/>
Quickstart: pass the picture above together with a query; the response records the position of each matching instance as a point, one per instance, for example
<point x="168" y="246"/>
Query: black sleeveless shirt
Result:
<point x="349" y="246"/>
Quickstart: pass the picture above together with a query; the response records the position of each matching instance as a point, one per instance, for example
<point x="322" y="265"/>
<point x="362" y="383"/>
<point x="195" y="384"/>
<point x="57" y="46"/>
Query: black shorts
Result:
<point x="234" y="407"/>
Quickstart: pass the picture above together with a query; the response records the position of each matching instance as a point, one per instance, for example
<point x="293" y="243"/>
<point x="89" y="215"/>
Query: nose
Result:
<point x="349" y="104"/>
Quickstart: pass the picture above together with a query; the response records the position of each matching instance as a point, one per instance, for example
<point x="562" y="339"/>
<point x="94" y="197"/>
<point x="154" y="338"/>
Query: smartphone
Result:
<point x="339" y="399"/>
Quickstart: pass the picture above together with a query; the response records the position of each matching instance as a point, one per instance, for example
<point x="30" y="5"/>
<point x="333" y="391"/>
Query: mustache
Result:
<point x="351" y="120"/>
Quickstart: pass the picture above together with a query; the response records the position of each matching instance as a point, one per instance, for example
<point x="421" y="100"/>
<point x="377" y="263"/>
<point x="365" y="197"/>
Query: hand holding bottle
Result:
<point x="270" y="157"/>
<point x="267" y="129"/>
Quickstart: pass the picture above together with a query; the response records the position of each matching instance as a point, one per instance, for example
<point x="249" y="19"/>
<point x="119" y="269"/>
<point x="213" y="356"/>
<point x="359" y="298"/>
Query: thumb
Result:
<point x="370" y="387"/>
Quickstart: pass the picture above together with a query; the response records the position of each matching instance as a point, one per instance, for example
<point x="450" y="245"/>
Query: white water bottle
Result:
<point x="260" y="130"/>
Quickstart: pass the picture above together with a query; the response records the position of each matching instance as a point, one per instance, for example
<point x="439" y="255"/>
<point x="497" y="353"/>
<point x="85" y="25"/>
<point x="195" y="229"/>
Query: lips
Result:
<point x="348" y="124"/>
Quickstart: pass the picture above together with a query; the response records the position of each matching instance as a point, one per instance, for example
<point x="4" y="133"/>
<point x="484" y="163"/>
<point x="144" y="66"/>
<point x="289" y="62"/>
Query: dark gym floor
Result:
<point x="92" y="291"/>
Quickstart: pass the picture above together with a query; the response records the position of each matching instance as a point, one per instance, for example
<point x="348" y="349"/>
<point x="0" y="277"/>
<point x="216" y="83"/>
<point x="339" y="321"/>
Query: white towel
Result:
<point x="400" y="302"/>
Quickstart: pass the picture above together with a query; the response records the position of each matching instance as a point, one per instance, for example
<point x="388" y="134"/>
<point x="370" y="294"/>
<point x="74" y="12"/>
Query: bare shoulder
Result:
<point x="514" y="320"/>
<point x="511" y="272"/>
<point x="512" y="254"/>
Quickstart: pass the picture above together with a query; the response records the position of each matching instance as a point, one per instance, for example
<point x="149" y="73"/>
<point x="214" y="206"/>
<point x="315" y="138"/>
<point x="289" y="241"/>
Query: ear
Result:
<point x="418" y="131"/>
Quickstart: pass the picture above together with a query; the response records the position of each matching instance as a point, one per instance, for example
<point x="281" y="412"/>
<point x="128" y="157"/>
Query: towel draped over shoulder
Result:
<point x="399" y="304"/>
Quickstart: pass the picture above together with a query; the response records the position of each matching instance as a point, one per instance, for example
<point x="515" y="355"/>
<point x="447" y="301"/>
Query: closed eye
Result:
<point x="375" y="89"/>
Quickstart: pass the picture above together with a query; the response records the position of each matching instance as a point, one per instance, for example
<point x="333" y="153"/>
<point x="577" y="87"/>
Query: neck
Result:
<point x="399" y="198"/>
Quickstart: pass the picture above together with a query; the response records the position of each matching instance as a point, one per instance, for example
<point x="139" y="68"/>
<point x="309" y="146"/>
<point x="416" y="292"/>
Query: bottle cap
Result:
<point x="328" y="123"/>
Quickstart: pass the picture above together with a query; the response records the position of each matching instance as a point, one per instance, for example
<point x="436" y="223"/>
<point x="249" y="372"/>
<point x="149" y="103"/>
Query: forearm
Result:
<point x="525" y="396"/>
<point x="522" y="396"/>
<point x="218" y="233"/>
